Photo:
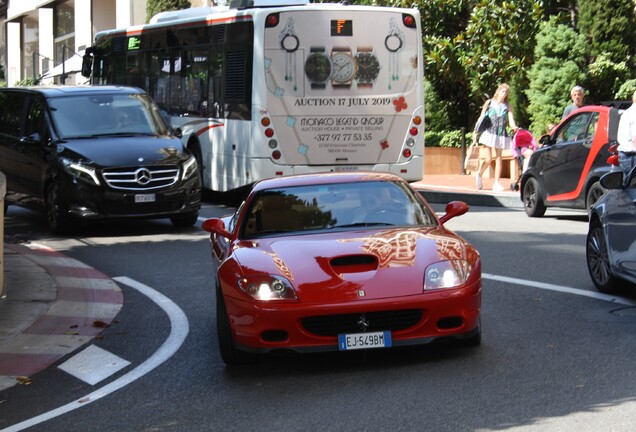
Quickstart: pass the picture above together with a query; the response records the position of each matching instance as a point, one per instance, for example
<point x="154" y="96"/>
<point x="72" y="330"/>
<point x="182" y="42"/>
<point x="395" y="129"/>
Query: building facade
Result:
<point x="38" y="35"/>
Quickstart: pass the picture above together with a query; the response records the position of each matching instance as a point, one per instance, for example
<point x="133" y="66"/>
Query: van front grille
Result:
<point x="141" y="178"/>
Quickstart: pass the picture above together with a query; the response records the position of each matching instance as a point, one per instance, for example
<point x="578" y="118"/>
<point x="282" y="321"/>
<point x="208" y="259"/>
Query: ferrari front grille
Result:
<point x="332" y="325"/>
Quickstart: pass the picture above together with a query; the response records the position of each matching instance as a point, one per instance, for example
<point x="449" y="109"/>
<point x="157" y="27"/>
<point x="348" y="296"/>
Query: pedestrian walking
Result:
<point x="499" y="118"/>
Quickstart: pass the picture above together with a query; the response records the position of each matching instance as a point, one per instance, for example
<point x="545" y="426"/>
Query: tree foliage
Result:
<point x="153" y="7"/>
<point x="554" y="73"/>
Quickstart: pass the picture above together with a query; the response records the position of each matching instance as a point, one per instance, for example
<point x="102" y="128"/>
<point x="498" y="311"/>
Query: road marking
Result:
<point x="178" y="332"/>
<point x="562" y="289"/>
<point x="93" y="365"/>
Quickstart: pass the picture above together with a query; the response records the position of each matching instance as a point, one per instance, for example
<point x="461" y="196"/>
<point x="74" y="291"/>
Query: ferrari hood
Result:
<point x="355" y="265"/>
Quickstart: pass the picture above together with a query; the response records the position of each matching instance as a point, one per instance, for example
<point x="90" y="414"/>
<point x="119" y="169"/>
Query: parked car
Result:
<point x="93" y="153"/>
<point x="565" y="171"/>
<point x="611" y="239"/>
<point x="341" y="261"/>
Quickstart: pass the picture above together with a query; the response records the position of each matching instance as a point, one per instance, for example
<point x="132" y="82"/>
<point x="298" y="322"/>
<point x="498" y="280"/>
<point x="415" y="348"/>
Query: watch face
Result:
<point x="344" y="68"/>
<point x="289" y="43"/>
<point x="317" y="67"/>
<point x="393" y="43"/>
<point x="368" y="67"/>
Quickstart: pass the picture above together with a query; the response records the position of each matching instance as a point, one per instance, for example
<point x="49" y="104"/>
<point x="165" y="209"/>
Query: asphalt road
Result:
<point x="555" y="354"/>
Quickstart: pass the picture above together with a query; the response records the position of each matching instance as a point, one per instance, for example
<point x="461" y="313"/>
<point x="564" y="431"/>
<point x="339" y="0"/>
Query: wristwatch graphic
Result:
<point x="343" y="67"/>
<point x="317" y="67"/>
<point x="368" y="67"/>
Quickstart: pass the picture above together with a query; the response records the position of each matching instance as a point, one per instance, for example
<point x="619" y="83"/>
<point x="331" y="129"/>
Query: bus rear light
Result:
<point x="413" y="131"/>
<point x="276" y="155"/>
<point x="406" y="153"/>
<point x="410" y="142"/>
<point x="417" y="120"/>
<point x="265" y="121"/>
<point x="269" y="132"/>
<point x="408" y="20"/>
<point x="272" y="144"/>
<point x="271" y="20"/>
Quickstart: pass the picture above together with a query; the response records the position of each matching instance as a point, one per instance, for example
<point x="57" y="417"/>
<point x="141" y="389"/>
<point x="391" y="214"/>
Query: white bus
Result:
<point x="277" y="87"/>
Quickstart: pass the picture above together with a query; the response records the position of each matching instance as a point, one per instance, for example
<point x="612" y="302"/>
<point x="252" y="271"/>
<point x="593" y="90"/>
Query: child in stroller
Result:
<point x="523" y="145"/>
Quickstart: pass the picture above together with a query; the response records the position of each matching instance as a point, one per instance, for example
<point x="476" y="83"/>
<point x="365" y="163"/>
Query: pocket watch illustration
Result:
<point x="289" y="42"/>
<point x="343" y="67"/>
<point x="368" y="67"/>
<point x="317" y="67"/>
<point x="394" y="43"/>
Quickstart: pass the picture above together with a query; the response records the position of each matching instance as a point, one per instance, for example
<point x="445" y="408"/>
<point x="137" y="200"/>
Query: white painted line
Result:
<point x="562" y="289"/>
<point x="178" y="332"/>
<point x="93" y="365"/>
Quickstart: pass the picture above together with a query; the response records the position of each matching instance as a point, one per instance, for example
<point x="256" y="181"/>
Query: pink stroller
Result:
<point x="523" y="145"/>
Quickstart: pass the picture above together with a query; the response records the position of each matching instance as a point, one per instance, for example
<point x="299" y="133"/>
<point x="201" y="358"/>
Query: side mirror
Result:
<point x="454" y="209"/>
<point x="544" y="140"/>
<point x="177" y="132"/>
<point x="612" y="180"/>
<point x="32" y="139"/>
<point x="216" y="226"/>
<point x="87" y="65"/>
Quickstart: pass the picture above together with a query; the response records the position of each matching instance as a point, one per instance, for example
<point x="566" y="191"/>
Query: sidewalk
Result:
<point x="54" y="304"/>
<point x="446" y="188"/>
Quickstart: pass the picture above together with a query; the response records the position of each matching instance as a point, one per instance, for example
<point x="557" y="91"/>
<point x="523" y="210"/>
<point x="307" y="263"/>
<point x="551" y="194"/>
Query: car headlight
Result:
<point x="80" y="171"/>
<point x="267" y="287"/>
<point x="447" y="274"/>
<point x="190" y="167"/>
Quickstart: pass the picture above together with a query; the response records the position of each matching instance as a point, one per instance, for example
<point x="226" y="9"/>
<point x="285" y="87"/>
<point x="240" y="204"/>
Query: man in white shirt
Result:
<point x="577" y="94"/>
<point x="627" y="138"/>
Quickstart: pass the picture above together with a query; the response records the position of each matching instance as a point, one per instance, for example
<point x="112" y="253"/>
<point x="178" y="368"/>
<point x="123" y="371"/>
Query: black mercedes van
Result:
<point x="94" y="152"/>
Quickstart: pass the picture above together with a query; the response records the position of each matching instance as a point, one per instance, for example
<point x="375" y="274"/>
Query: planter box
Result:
<point x="442" y="160"/>
<point x="447" y="160"/>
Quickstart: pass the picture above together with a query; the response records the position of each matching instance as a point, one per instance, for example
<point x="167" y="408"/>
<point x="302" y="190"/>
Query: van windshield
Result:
<point x="87" y="116"/>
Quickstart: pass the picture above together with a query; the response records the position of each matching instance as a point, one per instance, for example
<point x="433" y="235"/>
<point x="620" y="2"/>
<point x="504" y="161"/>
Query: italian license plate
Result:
<point x="144" y="198"/>
<point x="352" y="341"/>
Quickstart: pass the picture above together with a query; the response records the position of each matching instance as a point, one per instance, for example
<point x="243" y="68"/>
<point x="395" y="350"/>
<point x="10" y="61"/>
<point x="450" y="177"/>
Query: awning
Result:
<point x="71" y="65"/>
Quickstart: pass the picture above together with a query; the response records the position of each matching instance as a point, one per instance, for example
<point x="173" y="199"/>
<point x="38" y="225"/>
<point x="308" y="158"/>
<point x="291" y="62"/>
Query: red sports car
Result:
<point x="341" y="261"/>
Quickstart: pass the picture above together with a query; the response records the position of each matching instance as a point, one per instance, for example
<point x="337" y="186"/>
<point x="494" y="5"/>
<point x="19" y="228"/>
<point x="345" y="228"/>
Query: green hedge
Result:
<point x="446" y="139"/>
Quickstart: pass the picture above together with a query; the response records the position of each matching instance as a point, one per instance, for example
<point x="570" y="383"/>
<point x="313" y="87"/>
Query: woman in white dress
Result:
<point x="496" y="136"/>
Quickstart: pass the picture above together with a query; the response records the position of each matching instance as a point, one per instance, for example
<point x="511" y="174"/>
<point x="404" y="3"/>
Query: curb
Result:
<point x="503" y="199"/>
<point x="52" y="306"/>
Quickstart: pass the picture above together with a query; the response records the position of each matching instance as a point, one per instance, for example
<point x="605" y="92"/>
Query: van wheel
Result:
<point x="184" y="220"/>
<point x="56" y="214"/>
<point x="532" y="198"/>
<point x="593" y="194"/>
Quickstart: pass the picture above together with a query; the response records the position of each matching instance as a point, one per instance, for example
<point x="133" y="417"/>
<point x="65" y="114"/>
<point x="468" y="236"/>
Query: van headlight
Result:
<point x="190" y="167"/>
<point x="80" y="171"/>
<point x="447" y="274"/>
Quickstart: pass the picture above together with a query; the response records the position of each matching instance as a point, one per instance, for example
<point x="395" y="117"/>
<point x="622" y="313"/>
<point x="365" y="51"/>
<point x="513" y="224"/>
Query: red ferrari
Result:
<point x="341" y="261"/>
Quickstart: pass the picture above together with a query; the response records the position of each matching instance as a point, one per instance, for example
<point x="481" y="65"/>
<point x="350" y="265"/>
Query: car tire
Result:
<point x="598" y="263"/>
<point x="184" y="220"/>
<point x="593" y="194"/>
<point x="533" y="198"/>
<point x="230" y="355"/>
<point x="57" y="218"/>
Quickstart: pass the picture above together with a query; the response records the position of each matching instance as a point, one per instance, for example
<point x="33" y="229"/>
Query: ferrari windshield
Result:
<point x="88" y="116"/>
<point x="334" y="206"/>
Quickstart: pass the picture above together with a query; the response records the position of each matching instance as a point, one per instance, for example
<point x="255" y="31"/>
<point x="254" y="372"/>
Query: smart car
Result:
<point x="340" y="261"/>
<point x="611" y="239"/>
<point x="565" y="171"/>
<point x="93" y="153"/>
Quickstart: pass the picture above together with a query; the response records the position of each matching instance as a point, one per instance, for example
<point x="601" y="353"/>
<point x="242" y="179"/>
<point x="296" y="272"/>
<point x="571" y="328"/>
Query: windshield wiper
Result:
<point x="361" y="224"/>
<point x="123" y="134"/>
